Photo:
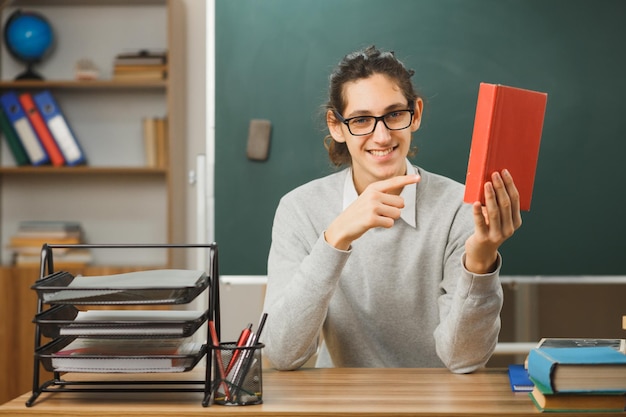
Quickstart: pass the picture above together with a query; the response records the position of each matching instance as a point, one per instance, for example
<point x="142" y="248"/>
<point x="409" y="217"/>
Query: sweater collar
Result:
<point x="408" y="194"/>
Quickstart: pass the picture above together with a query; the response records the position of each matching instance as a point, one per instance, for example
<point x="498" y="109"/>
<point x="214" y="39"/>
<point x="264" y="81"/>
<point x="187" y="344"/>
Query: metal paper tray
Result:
<point x="116" y="363"/>
<point x="61" y="320"/>
<point x="57" y="288"/>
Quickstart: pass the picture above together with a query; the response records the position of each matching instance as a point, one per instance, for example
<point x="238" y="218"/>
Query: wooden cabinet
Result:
<point x="116" y="196"/>
<point x="17" y="332"/>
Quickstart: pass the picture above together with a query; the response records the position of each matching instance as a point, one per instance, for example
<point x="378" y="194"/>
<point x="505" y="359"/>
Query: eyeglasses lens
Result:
<point x="396" y="120"/>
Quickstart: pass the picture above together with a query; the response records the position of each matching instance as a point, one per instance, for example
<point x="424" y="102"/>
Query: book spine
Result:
<point x="16" y="115"/>
<point x="477" y="168"/>
<point x="44" y="135"/>
<point x="18" y="151"/>
<point x="149" y="140"/>
<point x="540" y="369"/>
<point x="161" y="127"/>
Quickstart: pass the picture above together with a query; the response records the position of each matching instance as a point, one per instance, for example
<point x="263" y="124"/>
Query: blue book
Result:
<point x="25" y="131"/>
<point x="519" y="379"/>
<point x="60" y="129"/>
<point x="578" y="369"/>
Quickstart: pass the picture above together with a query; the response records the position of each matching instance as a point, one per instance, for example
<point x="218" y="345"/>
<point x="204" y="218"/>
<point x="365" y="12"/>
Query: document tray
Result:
<point x="129" y="357"/>
<point x="65" y="320"/>
<point x="122" y="340"/>
<point x="63" y="288"/>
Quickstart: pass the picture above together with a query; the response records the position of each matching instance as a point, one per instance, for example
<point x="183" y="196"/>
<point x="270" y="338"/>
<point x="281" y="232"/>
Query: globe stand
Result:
<point x="29" y="74"/>
<point x="29" y="38"/>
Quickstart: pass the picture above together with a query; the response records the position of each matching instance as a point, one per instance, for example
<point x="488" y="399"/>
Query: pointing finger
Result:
<point x="396" y="183"/>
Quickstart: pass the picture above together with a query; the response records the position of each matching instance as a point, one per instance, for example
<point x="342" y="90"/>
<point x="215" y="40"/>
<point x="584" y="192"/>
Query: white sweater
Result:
<point x="400" y="297"/>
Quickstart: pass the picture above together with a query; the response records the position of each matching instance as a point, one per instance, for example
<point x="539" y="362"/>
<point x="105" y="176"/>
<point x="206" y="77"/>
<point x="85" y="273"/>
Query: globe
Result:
<point x="29" y="38"/>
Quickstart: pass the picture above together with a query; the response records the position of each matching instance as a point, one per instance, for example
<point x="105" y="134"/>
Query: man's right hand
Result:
<point x="379" y="205"/>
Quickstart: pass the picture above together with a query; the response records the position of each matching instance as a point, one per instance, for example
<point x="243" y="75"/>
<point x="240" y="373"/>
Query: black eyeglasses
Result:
<point x="365" y="125"/>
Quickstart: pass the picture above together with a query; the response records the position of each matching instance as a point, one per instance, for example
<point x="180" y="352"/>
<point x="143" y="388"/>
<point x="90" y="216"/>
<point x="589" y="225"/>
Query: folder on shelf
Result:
<point x="44" y="135"/>
<point x="16" y="115"/>
<point x="15" y="145"/>
<point x="60" y="129"/>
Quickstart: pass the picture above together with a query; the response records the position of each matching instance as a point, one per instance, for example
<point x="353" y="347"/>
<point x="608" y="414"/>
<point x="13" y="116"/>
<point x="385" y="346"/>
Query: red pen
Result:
<point x="218" y="355"/>
<point x="241" y="342"/>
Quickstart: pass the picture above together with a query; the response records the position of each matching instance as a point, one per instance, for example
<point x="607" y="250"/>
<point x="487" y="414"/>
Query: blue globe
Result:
<point x="29" y="37"/>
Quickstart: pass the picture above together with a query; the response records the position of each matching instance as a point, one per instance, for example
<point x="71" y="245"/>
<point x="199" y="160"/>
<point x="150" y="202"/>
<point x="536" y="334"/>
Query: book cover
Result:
<point x="140" y="57"/>
<point x="59" y="127"/>
<point x="553" y="342"/>
<point x="15" y="145"/>
<point x="49" y="228"/>
<point x="44" y="135"/>
<point x="506" y="135"/>
<point x="593" y="402"/>
<point x="16" y="115"/>
<point x="519" y="379"/>
<point x="70" y="258"/>
<point x="140" y="76"/>
<point x="578" y="369"/>
<point x="18" y="241"/>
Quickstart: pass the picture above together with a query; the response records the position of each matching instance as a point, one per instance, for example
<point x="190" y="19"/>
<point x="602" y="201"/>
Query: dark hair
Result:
<point x="355" y="66"/>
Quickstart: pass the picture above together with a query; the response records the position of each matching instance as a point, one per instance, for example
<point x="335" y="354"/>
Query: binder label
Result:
<point x="23" y="128"/>
<point x="64" y="137"/>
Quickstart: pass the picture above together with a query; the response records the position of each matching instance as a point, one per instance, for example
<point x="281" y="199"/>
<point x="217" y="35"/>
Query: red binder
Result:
<point x="45" y="137"/>
<point x="507" y="134"/>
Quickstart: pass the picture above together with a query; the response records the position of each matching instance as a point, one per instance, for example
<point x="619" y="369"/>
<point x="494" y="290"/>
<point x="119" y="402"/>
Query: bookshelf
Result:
<point x="116" y="196"/>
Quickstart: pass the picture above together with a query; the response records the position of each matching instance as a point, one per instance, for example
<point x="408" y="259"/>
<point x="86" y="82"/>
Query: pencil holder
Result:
<point x="238" y="374"/>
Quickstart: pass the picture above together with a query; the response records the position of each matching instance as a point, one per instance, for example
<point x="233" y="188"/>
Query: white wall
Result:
<point x="240" y="303"/>
<point x="196" y="102"/>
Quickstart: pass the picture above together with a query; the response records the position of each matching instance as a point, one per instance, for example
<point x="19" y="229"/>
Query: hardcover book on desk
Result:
<point x="573" y="402"/>
<point x="577" y="402"/>
<point x="507" y="133"/>
<point x="578" y="369"/>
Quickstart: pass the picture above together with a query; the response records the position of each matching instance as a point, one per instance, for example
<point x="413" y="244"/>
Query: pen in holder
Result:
<point x="238" y="379"/>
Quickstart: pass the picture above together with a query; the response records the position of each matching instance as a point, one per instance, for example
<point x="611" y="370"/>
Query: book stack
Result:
<point x="36" y="130"/>
<point x="26" y="244"/>
<point x="578" y="379"/>
<point x="155" y="141"/>
<point x="143" y="65"/>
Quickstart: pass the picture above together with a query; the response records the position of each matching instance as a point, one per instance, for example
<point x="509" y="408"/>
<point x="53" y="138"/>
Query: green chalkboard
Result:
<point x="273" y="58"/>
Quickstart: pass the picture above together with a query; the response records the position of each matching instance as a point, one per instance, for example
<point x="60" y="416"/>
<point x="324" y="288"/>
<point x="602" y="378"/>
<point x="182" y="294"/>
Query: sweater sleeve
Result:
<point x="469" y="311"/>
<point x="303" y="272"/>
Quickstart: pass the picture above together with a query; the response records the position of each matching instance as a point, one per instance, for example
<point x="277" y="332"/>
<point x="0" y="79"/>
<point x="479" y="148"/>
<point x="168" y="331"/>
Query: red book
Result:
<point x="507" y="134"/>
<point x="45" y="137"/>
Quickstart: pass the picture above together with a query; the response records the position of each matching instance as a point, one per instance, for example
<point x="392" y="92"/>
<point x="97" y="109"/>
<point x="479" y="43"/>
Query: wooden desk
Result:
<point x="311" y="392"/>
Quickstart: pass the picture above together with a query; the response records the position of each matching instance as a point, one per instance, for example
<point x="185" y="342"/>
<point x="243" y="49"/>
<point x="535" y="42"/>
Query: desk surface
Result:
<point x="308" y="392"/>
